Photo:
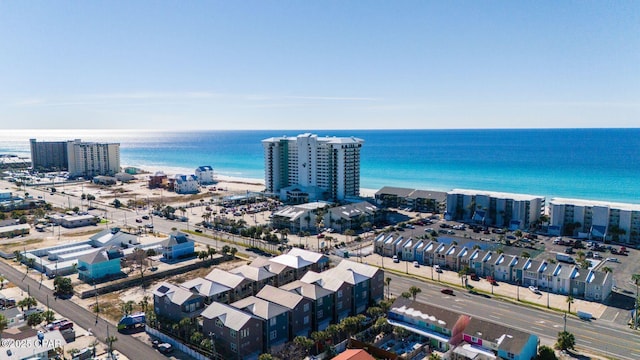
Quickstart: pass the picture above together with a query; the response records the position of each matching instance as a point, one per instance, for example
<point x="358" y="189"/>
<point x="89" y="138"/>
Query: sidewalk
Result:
<point x="505" y="290"/>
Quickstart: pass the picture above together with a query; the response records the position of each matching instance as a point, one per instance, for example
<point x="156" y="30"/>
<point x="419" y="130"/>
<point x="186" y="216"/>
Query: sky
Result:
<point x="319" y="64"/>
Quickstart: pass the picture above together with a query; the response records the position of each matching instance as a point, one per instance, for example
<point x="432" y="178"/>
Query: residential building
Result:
<point x="460" y="335"/>
<point x="184" y="184"/>
<point x="321" y="301"/>
<point x="296" y="218"/>
<point x="283" y="273"/>
<point x="342" y="292"/>
<point x="259" y="276"/>
<point x="100" y="264"/>
<point x="240" y="286"/>
<point x="412" y="199"/>
<point x="211" y="291"/>
<point x="353" y="354"/>
<point x="113" y="237"/>
<point x="275" y="320"/>
<point x="177" y="246"/>
<point x="13" y="315"/>
<point x="88" y="159"/>
<point x="105" y="180"/>
<point x="43" y="345"/>
<point x="176" y="303"/>
<point x="14" y="230"/>
<point x="300" y="309"/>
<point x="158" y="180"/>
<point x="49" y="155"/>
<point x="351" y="216"/>
<point x="124" y="177"/>
<point x="505" y="210"/>
<point x="204" y="174"/>
<point x="331" y="164"/>
<point x="238" y="334"/>
<point x="619" y="222"/>
<point x="319" y="262"/>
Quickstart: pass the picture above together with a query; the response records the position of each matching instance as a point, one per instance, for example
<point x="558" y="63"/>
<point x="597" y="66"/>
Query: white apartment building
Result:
<point x="205" y="175"/>
<point x="306" y="163"/>
<point x="512" y="211"/>
<point x="92" y="159"/>
<point x="595" y="219"/>
<point x="185" y="184"/>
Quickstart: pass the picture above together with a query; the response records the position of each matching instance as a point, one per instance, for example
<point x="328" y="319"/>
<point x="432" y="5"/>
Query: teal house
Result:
<point x="100" y="264"/>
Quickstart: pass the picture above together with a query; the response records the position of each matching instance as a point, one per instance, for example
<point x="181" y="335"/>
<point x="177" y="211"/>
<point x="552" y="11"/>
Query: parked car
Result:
<point x="447" y="291"/>
<point x="534" y="290"/>
<point x="416" y="264"/>
<point x="437" y="268"/>
<point x="395" y="259"/>
<point x="165" y="348"/>
<point x="597" y="256"/>
<point x="475" y="277"/>
<point x="138" y="220"/>
<point x="145" y="217"/>
<point x="615" y="260"/>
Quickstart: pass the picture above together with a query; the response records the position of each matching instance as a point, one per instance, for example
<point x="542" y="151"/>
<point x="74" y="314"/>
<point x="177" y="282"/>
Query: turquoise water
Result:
<point x="598" y="164"/>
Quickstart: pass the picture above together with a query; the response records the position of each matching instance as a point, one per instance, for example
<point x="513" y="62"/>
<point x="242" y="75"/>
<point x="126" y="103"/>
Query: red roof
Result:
<point x="354" y="354"/>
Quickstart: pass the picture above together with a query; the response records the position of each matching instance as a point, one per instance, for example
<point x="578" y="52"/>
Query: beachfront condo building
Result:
<point x="308" y="168"/>
<point x="89" y="159"/>
<point x="49" y="155"/>
<point x="85" y="159"/>
<point x="504" y="210"/>
<point x="619" y="222"/>
<point x="205" y="175"/>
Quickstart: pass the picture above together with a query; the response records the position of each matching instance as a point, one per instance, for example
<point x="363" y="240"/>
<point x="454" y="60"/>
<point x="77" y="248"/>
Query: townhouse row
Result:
<point x="560" y="278"/>
<point x="259" y="307"/>
<point x="462" y="336"/>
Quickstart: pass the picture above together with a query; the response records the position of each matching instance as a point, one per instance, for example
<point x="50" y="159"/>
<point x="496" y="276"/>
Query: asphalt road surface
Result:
<point x="599" y="336"/>
<point x="127" y="345"/>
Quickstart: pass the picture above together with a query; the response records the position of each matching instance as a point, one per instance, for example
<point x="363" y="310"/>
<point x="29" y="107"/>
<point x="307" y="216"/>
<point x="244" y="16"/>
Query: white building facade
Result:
<point x="619" y="222"/>
<point x="93" y="159"/>
<point x="512" y="211"/>
<point x="186" y="184"/>
<point x="308" y="161"/>
<point x="205" y="175"/>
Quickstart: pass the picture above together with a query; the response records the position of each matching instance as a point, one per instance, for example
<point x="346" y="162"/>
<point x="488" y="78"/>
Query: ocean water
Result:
<point x="598" y="164"/>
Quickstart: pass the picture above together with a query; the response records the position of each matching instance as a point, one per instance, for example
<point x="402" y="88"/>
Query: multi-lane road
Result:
<point x="599" y="336"/>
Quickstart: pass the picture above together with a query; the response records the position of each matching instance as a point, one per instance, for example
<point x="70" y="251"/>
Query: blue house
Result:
<point x="177" y="246"/>
<point x="99" y="264"/>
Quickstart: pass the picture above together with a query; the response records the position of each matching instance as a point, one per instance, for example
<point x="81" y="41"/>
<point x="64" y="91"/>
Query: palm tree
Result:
<point x="636" y="280"/>
<point x="569" y="302"/>
<point x="607" y="269"/>
<point x="388" y="281"/>
<point x="414" y="290"/>
<point x="566" y="340"/>
<point x="434" y="356"/>
<point x="110" y="340"/>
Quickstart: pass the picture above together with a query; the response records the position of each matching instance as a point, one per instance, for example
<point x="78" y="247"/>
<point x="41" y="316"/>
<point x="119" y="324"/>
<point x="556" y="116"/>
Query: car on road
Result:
<point x="534" y="290"/>
<point x="447" y="291"/>
<point x="165" y="348"/>
<point x="145" y="217"/>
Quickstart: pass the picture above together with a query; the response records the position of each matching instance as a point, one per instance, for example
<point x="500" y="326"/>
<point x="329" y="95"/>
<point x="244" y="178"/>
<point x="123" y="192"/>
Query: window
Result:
<point x="219" y="323"/>
<point x="320" y="313"/>
<point x="273" y="321"/>
<point x="244" y="333"/>
<point x="339" y="306"/>
<point x="306" y="320"/>
<point x="339" y="294"/>
<point x="364" y="293"/>
<point x="306" y="307"/>
<point x="232" y="333"/>
<point x="320" y="301"/>
<point x="234" y="347"/>
<point x="273" y="335"/>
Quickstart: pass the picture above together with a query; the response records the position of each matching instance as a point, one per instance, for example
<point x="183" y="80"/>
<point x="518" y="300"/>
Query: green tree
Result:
<point x="303" y="342"/>
<point x="434" y="356"/>
<point x="211" y="251"/>
<point x="406" y="295"/>
<point x="34" y="319"/>
<point x="27" y="302"/>
<point x="569" y="302"/>
<point x="48" y="316"/>
<point x="110" y="340"/>
<point x="62" y="286"/>
<point x="566" y="341"/>
<point x="127" y="307"/>
<point x="414" y="290"/>
<point x="546" y="353"/>
<point x="525" y="254"/>
<point x="3" y="324"/>
<point x="636" y="280"/>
